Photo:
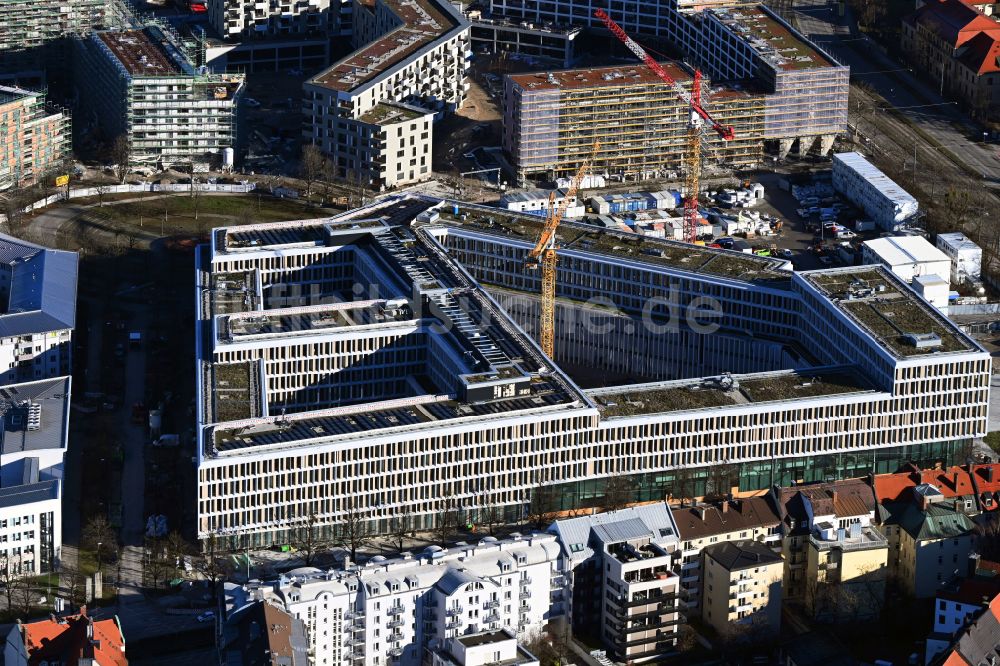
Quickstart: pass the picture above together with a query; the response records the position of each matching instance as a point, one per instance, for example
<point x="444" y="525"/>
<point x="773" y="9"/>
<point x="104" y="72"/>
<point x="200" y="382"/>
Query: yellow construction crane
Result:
<point x="544" y="253"/>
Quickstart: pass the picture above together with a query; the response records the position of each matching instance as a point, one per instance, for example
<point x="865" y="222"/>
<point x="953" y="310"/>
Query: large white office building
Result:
<point x="391" y="611"/>
<point x="382" y="361"/>
<point x="32" y="449"/>
<point x="37" y="310"/>
<point x="372" y="111"/>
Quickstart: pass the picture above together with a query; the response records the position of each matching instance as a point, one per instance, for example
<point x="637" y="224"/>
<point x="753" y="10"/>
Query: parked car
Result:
<point x="207" y="616"/>
<point x="786" y="253"/>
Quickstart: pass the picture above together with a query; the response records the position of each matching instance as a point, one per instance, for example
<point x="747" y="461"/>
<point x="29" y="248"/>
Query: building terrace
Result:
<point x="890" y="311"/>
<point x="726" y="391"/>
<point x="775" y="43"/>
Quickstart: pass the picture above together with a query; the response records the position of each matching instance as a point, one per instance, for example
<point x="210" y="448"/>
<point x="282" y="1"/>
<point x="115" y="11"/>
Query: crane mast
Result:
<point x="544" y="254"/>
<point x="699" y="117"/>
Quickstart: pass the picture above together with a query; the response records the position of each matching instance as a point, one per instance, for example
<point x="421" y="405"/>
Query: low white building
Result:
<point x="966" y="257"/>
<point x="388" y="611"/>
<point x="907" y="256"/>
<point x="933" y="289"/>
<point x="536" y="202"/>
<point x="867" y="187"/>
<point x="37" y="310"/>
<point x="485" y="649"/>
<point x="32" y="447"/>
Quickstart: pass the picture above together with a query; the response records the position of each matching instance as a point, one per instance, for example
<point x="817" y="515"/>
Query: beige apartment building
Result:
<point x="846" y="573"/>
<point x="742" y="590"/>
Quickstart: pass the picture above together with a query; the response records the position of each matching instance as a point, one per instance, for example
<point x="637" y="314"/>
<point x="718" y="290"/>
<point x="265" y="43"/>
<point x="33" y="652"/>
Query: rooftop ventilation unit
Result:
<point x="923" y="340"/>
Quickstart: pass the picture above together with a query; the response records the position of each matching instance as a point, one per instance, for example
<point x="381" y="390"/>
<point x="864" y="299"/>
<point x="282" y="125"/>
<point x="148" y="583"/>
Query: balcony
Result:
<point x="492" y="603"/>
<point x="492" y="617"/>
<point x="643" y="600"/>
<point x="395" y="623"/>
<point x="525" y="581"/>
<point x="397" y="609"/>
<point x="395" y="637"/>
<point x="453" y="624"/>
<point x="453" y="611"/>
<point x="396" y="652"/>
<point x="524" y="595"/>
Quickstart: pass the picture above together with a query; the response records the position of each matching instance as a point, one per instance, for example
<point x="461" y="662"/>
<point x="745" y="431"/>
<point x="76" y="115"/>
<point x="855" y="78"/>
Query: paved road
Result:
<point x="919" y="102"/>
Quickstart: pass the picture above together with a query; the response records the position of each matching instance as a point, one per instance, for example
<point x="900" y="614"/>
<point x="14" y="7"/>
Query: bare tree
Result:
<point x="491" y="515"/>
<point x="14" y="201"/>
<point x="177" y="548"/>
<point x="401" y="528"/>
<point x="101" y="188"/>
<point x="9" y="573"/>
<point x="120" y="154"/>
<point x="549" y="648"/>
<point x="355" y="530"/>
<point x="543" y="507"/>
<point x="446" y="522"/>
<point x="99" y="534"/>
<point x="311" y="166"/>
<point x="328" y="173"/>
<point x="310" y="540"/>
<point x="73" y="580"/>
<point x="25" y="595"/>
<point x="619" y="492"/>
<point x="213" y="563"/>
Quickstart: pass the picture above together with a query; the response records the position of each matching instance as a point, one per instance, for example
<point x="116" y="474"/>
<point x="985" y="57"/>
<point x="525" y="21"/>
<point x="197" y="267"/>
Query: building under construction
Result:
<point x="552" y="119"/>
<point x="140" y="84"/>
<point x="34" y="140"/>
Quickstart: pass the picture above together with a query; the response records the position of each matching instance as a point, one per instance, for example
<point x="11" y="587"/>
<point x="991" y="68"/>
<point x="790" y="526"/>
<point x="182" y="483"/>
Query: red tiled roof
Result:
<point x="953" y="482"/>
<point x="65" y="640"/>
<point x="954" y="21"/>
<point x="981" y="54"/>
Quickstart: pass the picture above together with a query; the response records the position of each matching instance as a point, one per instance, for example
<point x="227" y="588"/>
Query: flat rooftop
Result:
<point x="888" y="310"/>
<point x="390" y="114"/>
<point x="34" y="415"/>
<point x="140" y="52"/>
<point x="423" y="22"/>
<point x="772" y="40"/>
<point x="621" y="244"/>
<point x="735" y="390"/>
<point x="617" y="77"/>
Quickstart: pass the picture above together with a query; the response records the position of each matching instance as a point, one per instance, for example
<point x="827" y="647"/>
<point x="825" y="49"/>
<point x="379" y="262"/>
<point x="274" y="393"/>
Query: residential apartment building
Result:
<point x="930" y="539"/>
<point x="262" y="632"/>
<point x="390" y="611"/>
<point x="75" y="639"/>
<point x="263" y="19"/>
<point x="701" y="525"/>
<point x="975" y="643"/>
<point x="846" y="572"/>
<point x="818" y="511"/>
<point x="955" y="45"/>
<point x="141" y="85"/>
<point x="619" y="581"/>
<point x="34" y="138"/>
<point x="742" y="590"/>
<point x="499" y="35"/>
<point x="955" y="607"/>
<point x="553" y="119"/>
<point x="37" y="310"/>
<point x="413" y="52"/>
<point x="30" y="24"/>
<point x="805" y="89"/>
<point x="33" y="448"/>
<point x="303" y="390"/>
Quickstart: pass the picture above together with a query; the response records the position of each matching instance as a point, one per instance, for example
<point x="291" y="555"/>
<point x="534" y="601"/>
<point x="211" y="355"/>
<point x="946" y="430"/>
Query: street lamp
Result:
<point x="985" y="136"/>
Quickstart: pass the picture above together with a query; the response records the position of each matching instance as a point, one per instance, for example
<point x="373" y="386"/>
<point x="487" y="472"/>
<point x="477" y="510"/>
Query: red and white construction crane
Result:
<point x="699" y="117"/>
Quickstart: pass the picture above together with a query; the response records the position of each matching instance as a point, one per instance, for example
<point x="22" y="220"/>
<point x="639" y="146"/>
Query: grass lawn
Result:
<point x="212" y="210"/>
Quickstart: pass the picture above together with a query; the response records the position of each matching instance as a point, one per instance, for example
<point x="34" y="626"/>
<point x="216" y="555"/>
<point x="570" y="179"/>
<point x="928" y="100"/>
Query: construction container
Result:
<point x="862" y="183"/>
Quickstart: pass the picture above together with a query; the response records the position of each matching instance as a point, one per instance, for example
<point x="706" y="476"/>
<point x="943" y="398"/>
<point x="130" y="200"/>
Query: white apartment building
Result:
<point x="142" y="85"/>
<point x="390" y="611"/>
<point x="966" y="257"/>
<point x="882" y="199"/>
<point x="619" y="585"/>
<point x="413" y="52"/>
<point x="32" y="448"/>
<point x="357" y="362"/>
<point x="261" y="19"/>
<point x="37" y="310"/>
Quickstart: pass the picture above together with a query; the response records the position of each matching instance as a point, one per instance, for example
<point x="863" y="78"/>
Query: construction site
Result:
<point x="552" y="119"/>
<point x="142" y="85"/>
